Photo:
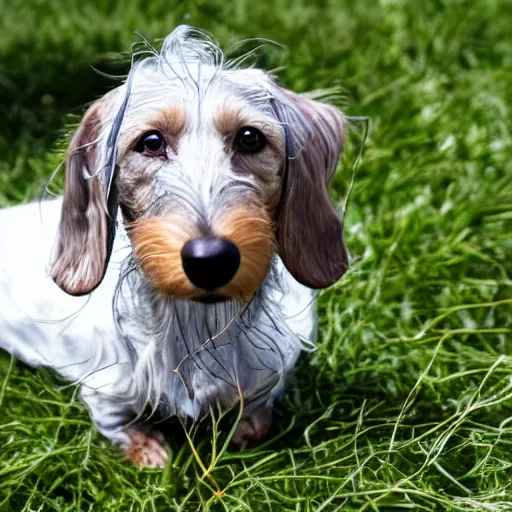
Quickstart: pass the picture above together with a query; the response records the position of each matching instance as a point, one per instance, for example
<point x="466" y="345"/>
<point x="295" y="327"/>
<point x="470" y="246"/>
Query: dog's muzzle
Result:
<point x="210" y="262"/>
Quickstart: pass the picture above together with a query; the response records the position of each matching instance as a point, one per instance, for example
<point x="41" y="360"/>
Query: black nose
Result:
<point x="210" y="262"/>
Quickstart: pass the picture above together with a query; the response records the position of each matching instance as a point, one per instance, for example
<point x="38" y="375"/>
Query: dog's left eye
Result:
<point x="151" y="144"/>
<point x="249" y="140"/>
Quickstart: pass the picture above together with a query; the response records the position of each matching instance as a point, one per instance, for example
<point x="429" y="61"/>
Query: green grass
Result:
<point x="407" y="403"/>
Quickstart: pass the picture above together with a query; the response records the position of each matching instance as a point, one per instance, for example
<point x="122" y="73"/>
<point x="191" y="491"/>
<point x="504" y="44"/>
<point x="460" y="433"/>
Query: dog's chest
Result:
<point x="188" y="355"/>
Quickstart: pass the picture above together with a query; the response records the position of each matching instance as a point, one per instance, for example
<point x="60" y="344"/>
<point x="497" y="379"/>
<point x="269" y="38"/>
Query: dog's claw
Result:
<point x="146" y="450"/>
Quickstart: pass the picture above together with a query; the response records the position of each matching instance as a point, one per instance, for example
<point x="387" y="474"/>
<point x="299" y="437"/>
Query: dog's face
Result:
<point x="214" y="170"/>
<point x="198" y="183"/>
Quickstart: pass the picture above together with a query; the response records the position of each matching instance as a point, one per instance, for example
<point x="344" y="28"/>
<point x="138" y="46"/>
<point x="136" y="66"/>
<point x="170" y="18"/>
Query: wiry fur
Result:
<point x="140" y="338"/>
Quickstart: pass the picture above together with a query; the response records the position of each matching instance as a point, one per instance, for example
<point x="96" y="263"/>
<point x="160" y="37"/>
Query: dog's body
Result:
<point x="221" y="179"/>
<point x="120" y="368"/>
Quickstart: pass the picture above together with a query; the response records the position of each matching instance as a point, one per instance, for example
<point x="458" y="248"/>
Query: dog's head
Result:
<point x="214" y="168"/>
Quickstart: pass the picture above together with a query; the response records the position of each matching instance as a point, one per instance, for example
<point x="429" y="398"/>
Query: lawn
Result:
<point x="407" y="402"/>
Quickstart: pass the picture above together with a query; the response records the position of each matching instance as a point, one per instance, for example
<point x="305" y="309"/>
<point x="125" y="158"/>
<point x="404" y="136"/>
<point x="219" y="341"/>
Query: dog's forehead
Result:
<point x="186" y="95"/>
<point x="173" y="73"/>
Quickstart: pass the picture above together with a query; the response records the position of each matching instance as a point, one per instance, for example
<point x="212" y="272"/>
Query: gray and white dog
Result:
<point x="178" y="269"/>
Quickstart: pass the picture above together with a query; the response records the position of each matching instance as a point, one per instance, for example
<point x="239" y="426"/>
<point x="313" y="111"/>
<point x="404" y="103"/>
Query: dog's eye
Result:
<point x="249" y="140"/>
<point x="151" y="144"/>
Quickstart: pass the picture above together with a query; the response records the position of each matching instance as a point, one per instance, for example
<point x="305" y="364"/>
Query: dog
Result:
<point x="179" y="268"/>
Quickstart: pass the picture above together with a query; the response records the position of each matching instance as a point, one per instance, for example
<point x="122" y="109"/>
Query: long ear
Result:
<point x="87" y="224"/>
<point x="310" y="232"/>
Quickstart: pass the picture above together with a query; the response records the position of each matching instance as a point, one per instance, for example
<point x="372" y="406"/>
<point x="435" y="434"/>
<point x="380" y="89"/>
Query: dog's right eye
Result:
<point x="151" y="144"/>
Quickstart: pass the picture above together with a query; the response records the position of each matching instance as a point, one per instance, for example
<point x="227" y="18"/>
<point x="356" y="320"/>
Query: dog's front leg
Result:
<point x="253" y="426"/>
<point x="116" y="420"/>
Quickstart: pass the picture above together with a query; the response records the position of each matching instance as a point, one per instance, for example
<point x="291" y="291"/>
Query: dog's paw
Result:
<point x="146" y="449"/>
<point x="252" y="428"/>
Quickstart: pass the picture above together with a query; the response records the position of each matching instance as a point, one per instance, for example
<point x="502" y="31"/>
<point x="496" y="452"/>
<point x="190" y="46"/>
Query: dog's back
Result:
<point x="39" y="323"/>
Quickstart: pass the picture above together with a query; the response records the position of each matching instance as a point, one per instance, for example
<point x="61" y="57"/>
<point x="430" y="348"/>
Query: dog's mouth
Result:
<point x="212" y="298"/>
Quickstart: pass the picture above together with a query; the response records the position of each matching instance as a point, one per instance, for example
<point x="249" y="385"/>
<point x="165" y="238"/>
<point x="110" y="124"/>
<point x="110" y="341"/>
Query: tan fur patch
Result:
<point x="157" y="244"/>
<point x="170" y="121"/>
<point x="252" y="231"/>
<point x="146" y="450"/>
<point x="228" y="120"/>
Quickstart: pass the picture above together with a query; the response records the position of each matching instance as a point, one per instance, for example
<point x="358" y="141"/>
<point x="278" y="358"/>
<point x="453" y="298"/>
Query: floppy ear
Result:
<point x="87" y="223"/>
<point x="310" y="232"/>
